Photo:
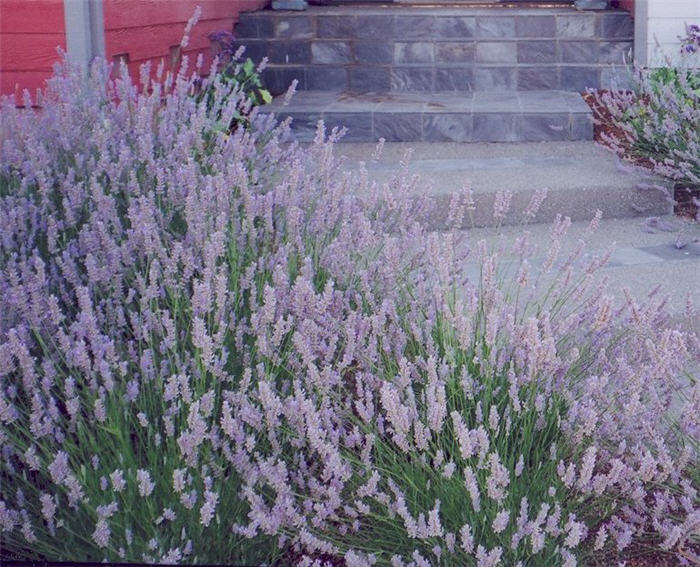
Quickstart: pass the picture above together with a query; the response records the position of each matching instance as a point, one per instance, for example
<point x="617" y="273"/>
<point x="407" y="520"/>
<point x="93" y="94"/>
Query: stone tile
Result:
<point x="289" y="51"/>
<point x="335" y="27"/>
<point x="494" y="78"/>
<point x="266" y="27"/>
<point x="278" y="79"/>
<point x="454" y="79"/>
<point x="544" y="127"/>
<point x="331" y="52"/>
<point x="617" y="52"/>
<point x="358" y="124"/>
<point x="374" y="52"/>
<point x="537" y="78"/>
<point x="396" y="103"/>
<point x="533" y="102"/>
<point x="354" y="102"/>
<point x="629" y="256"/>
<point x="304" y="125"/>
<point x="535" y="26"/>
<point x="454" y="52"/>
<point x="496" y="52"/>
<point x="325" y="78"/>
<point x="670" y="252"/>
<point x="618" y="77"/>
<point x="495" y="128"/>
<point x="412" y="79"/>
<point x="537" y="51"/>
<point x="455" y="27"/>
<point x="370" y="79"/>
<point x="616" y="25"/>
<point x="581" y="127"/>
<point x="374" y="26"/>
<point x="447" y="127"/>
<point x="578" y="79"/>
<point x="578" y="51"/>
<point x="247" y="27"/>
<point x="414" y="27"/>
<point x="255" y="49"/>
<point x="578" y="26"/>
<point x="294" y="27"/>
<point x="399" y="127"/>
<point x="450" y="103"/>
<point x="414" y="52"/>
<point x="306" y="101"/>
<point x="500" y="27"/>
<point x="353" y="27"/>
<point x="498" y="102"/>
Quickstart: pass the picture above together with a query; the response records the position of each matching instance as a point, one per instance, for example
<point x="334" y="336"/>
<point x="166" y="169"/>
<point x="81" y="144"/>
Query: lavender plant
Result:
<point x="223" y="348"/>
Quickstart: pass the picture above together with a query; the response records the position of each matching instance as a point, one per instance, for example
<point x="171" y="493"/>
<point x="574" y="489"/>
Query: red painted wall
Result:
<point x="30" y="32"/>
<point x="152" y="29"/>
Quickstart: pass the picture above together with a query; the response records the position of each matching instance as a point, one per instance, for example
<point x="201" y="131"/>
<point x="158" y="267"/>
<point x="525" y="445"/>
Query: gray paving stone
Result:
<point x="537" y="78"/>
<point x="454" y="52"/>
<point x="374" y="52"/>
<point x="497" y="102"/>
<point x="454" y="79"/>
<point x="578" y="79"/>
<point x="294" y="27"/>
<point x="331" y="52"/>
<point x="414" y="79"/>
<point x="495" y="128"/>
<point x="359" y="125"/>
<point x="413" y="52"/>
<point x="289" y="51"/>
<point x="447" y="127"/>
<point x="449" y="103"/>
<point x="247" y="27"/>
<point x="278" y="79"/>
<point x="616" y="25"/>
<point x="576" y="26"/>
<point x="255" y="49"/>
<point x="667" y="252"/>
<point x="370" y="79"/>
<point x="578" y="51"/>
<point x="629" y="256"/>
<point x="544" y="127"/>
<point x="354" y="102"/>
<point x="326" y="78"/>
<point x="352" y="27"/>
<point x="495" y="78"/>
<point x="537" y="51"/>
<point x="581" y="127"/>
<point x="617" y="52"/>
<point x="535" y="26"/>
<point x="455" y="27"/>
<point x="495" y="27"/>
<point x="541" y="102"/>
<point x="304" y="125"/>
<point x="414" y="27"/>
<point x="618" y="77"/>
<point x="496" y="52"/>
<point x="398" y="127"/>
<point x="396" y="103"/>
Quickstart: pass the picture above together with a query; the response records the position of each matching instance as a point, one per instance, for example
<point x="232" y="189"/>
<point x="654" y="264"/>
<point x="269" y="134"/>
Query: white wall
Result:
<point x="658" y="26"/>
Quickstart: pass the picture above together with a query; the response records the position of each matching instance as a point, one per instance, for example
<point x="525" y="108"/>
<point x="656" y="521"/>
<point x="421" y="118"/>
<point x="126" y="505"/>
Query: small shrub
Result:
<point x="222" y="348"/>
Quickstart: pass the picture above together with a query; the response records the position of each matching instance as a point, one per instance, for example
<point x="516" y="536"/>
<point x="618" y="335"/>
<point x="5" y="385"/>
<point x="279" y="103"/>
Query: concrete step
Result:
<point x="438" y="48"/>
<point x="507" y="116"/>
<point x="580" y="178"/>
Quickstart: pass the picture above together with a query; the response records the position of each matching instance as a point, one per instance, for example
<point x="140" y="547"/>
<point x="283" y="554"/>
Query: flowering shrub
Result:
<point x="222" y="348"/>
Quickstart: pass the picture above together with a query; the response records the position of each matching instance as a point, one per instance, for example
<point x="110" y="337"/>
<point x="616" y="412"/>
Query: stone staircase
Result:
<point x="440" y="73"/>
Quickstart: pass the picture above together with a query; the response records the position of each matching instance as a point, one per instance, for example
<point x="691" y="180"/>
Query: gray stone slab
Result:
<point x="449" y="103"/>
<point x="293" y="27"/>
<point x="331" y="52"/>
<point x="278" y="79"/>
<point x="296" y="52"/>
<point x="370" y="79"/>
<point x="255" y="49"/>
<point x="630" y="256"/>
<point x="246" y="27"/>
<point x="355" y="27"/>
<point x="617" y="52"/>
<point x="618" y="25"/>
<point x="581" y="127"/>
<point x="545" y="127"/>
<point x="397" y="104"/>
<point x="412" y="79"/>
<point x="618" y="77"/>
<point x="326" y="78"/>
<point x="296" y="5"/>
<point x="690" y="251"/>
<point x="578" y="51"/>
<point x="495" y="128"/>
<point x="495" y="78"/>
<point x="355" y="102"/>
<point x="496" y="52"/>
<point x="500" y="27"/>
<point x="414" y="27"/>
<point x="398" y="127"/>
<point x="455" y="52"/>
<point x="579" y="79"/>
<point x="304" y="125"/>
<point x="535" y="26"/>
<point x="537" y="51"/>
<point x="497" y="102"/>
<point x="454" y="79"/>
<point x="576" y="26"/>
<point x="537" y="78"/>
<point x="447" y="127"/>
<point x="455" y="27"/>
<point x="359" y="125"/>
<point x="413" y="52"/>
<point x="374" y="52"/>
